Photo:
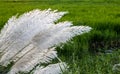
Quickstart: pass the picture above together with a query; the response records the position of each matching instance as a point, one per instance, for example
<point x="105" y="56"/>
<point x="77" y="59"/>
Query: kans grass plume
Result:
<point x="29" y="40"/>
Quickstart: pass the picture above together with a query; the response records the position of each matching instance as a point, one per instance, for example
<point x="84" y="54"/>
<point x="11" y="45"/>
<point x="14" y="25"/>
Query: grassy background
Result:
<point x="85" y="54"/>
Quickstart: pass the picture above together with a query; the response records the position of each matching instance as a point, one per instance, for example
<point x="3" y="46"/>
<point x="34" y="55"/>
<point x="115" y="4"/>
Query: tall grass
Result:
<point x="85" y="54"/>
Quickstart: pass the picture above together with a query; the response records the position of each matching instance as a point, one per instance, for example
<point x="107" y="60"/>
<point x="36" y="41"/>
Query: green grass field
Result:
<point x="85" y="54"/>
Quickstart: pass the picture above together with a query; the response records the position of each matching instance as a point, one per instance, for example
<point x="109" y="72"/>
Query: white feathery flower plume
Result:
<point x="29" y="39"/>
<point x="31" y="59"/>
<point x="58" y="69"/>
<point x="29" y="24"/>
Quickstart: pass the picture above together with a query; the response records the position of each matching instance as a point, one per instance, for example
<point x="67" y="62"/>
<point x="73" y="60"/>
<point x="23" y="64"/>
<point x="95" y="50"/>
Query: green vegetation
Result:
<point x="85" y="54"/>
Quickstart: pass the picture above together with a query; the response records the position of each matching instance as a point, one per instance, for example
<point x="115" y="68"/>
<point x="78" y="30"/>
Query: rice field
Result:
<point x="95" y="52"/>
